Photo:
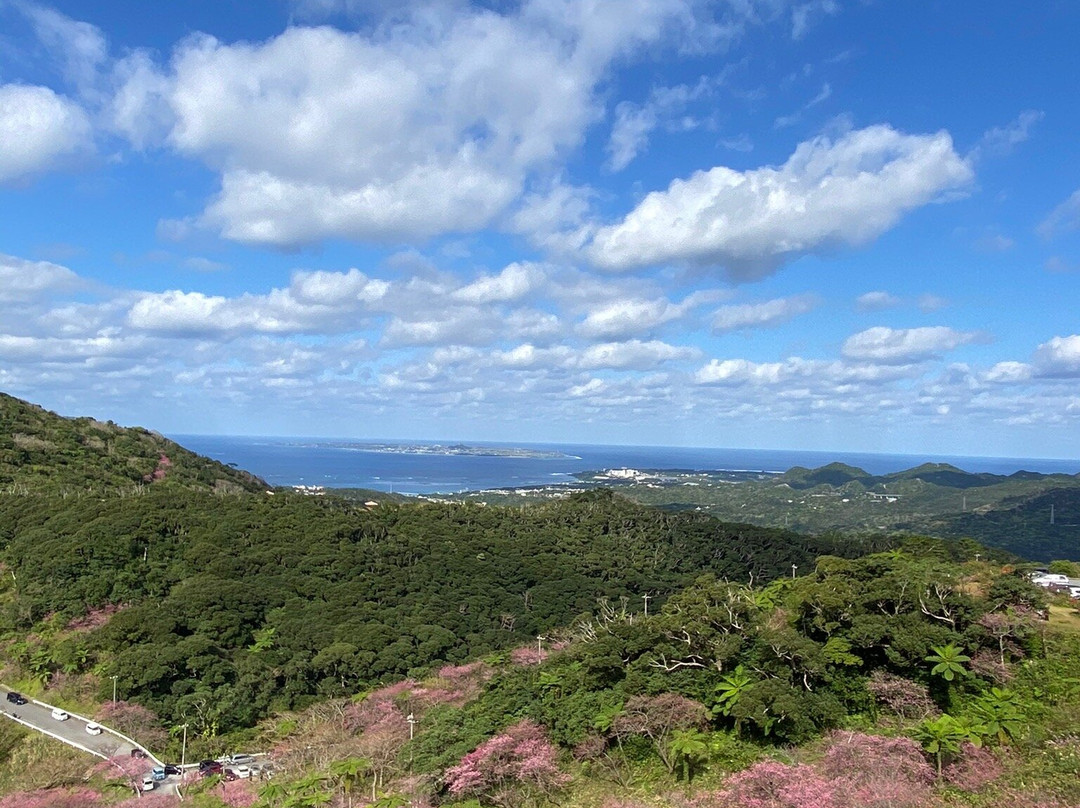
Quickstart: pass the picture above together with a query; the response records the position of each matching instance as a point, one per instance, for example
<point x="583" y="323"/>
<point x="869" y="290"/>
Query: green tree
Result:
<point x="689" y="750"/>
<point x="943" y="736"/>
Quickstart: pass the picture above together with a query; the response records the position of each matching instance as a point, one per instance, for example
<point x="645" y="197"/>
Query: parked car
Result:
<point x="158" y="773"/>
<point x="93" y="729"/>
<point x="148" y="783"/>
<point x="60" y="715"/>
<point x="243" y="771"/>
<point x="16" y="698"/>
<point x="138" y="753"/>
<point x="236" y="760"/>
<point x="208" y="767"/>
<point x="171" y="769"/>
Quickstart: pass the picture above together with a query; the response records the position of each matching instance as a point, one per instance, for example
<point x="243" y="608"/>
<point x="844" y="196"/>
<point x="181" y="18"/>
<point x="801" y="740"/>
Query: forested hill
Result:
<point x="258" y="603"/>
<point x="41" y="451"/>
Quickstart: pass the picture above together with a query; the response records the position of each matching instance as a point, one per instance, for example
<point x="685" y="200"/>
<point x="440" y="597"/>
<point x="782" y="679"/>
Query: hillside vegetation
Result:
<point x="41" y="452"/>
<point x="589" y="651"/>
<point x="1032" y="515"/>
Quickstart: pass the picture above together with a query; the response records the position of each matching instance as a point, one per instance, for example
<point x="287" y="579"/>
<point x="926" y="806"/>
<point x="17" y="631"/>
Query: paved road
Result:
<point x="73" y="732"/>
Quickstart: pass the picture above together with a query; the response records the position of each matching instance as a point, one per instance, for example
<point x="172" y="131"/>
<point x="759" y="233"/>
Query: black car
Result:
<point x="16" y="698"/>
<point x="208" y="767"/>
<point x="171" y="769"/>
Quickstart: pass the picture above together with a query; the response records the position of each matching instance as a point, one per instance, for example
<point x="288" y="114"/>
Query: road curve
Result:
<point x="37" y="715"/>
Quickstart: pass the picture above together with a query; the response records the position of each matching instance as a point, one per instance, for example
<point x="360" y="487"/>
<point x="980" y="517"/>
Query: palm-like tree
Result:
<point x="729" y="691"/>
<point x="348" y="773"/>
<point x="689" y="749"/>
<point x="949" y="661"/>
<point x="943" y="736"/>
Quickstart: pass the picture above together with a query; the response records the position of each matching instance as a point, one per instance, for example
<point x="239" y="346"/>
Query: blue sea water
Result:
<point x="338" y="463"/>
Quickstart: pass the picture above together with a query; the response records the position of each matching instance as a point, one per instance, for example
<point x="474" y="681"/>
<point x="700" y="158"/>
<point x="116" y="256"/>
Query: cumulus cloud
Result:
<point x="633" y="355"/>
<point x="876" y="301"/>
<point x="763" y="315"/>
<point x="513" y="283"/>
<point x="22" y="280"/>
<point x="39" y="130"/>
<point x="827" y="195"/>
<point x="634" y="316"/>
<point x="315" y="302"/>
<point x="1059" y="357"/>
<point x="429" y="126"/>
<point x="822" y="374"/>
<point x="1008" y="372"/>
<point x="905" y="345"/>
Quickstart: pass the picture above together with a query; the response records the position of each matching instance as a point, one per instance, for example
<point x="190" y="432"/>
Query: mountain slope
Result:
<point x="41" y="451"/>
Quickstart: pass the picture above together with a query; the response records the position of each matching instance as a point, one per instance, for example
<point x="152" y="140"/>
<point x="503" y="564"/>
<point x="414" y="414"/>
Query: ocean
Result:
<point x="343" y="463"/>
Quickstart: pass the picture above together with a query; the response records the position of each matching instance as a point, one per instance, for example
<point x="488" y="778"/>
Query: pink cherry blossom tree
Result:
<point x="514" y="768"/>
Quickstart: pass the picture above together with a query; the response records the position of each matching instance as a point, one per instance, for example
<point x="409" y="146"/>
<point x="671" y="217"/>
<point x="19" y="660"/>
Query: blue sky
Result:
<point x="839" y="225"/>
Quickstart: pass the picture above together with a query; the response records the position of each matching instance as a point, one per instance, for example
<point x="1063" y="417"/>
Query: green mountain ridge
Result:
<point x="41" y="451"/>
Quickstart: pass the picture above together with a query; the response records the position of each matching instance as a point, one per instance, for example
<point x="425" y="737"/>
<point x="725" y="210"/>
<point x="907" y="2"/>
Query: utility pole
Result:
<point x="539" y="647"/>
<point x="113" y="677"/>
<point x="183" y="754"/>
<point x="646" y="597"/>
<point x="793" y="568"/>
<point x="412" y="725"/>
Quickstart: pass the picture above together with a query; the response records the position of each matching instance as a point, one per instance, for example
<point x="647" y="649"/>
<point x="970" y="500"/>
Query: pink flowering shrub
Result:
<point x="508" y="768"/>
<point x="52" y="798"/>
<point x="135" y="721"/>
<point x="528" y="655"/>
<point x="901" y="696"/>
<point x="856" y="771"/>
<point x="973" y="769"/>
<point x="236" y="794"/>
<point x="877" y="772"/>
<point x="771" y="784"/>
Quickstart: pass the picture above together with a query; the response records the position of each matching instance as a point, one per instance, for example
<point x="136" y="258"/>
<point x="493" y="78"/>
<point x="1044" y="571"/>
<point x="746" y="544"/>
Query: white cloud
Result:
<point x="79" y="46"/>
<point x="634" y="123"/>
<point x="315" y="302"/>
<point x="804" y="15"/>
<point x="430" y="126"/>
<point x="1059" y="357"/>
<point x="39" y="130"/>
<point x="828" y="194"/>
<point x="763" y="315"/>
<point x="513" y="283"/>
<point x="905" y="345"/>
<point x="824" y="376"/>
<point x="1008" y="372"/>
<point x="876" y="301"/>
<point x="633" y="316"/>
<point x="22" y="280"/>
<point x="1001" y="140"/>
<point x="930" y="303"/>
<point x="1063" y="218"/>
<point x="633" y="355"/>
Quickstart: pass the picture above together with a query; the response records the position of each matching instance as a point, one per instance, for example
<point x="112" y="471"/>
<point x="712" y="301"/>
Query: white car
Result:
<point x="243" y="771"/>
<point x="93" y="729"/>
<point x="60" y="715"/>
<point x="148" y="783"/>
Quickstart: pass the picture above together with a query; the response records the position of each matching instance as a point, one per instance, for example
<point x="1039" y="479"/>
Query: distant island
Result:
<point x="456" y="449"/>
